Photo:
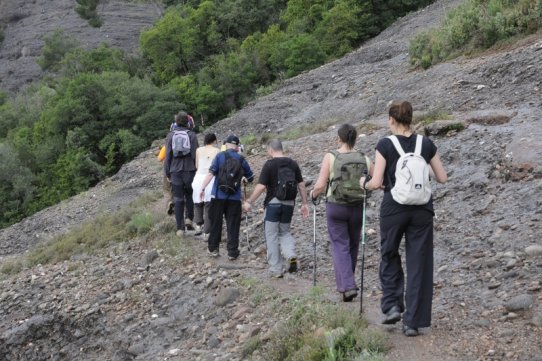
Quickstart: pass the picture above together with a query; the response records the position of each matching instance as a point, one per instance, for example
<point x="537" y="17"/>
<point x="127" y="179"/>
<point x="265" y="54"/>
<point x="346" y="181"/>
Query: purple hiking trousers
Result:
<point x="344" y="228"/>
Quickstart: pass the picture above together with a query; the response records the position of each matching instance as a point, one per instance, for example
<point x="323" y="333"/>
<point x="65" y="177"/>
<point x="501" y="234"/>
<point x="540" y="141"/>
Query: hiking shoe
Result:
<point x="188" y="224"/>
<point x="292" y="262"/>
<point x="214" y="253"/>
<point x="180" y="233"/>
<point x="392" y="316"/>
<point x="232" y="258"/>
<point x="410" y="331"/>
<point x="277" y="275"/>
<point x="170" y="208"/>
<point x="349" y="295"/>
<point x="199" y="230"/>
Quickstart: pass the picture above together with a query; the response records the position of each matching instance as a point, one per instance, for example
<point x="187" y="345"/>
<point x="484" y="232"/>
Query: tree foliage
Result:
<point x="102" y="107"/>
<point x="216" y="54"/>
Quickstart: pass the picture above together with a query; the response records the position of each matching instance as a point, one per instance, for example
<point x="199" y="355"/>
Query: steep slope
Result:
<point x="27" y="23"/>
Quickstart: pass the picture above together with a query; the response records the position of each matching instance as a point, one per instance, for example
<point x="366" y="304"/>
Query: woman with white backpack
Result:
<point x="404" y="163"/>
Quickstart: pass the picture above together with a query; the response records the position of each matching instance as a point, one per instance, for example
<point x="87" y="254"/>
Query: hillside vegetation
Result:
<point x="101" y="107"/>
<point x="476" y="25"/>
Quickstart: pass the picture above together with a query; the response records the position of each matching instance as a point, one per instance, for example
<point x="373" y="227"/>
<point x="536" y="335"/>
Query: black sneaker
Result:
<point x="392" y="316"/>
<point x="349" y="295"/>
<point x="188" y="224"/>
<point x="410" y="331"/>
<point x="292" y="262"/>
<point x="170" y="208"/>
<point x="214" y="253"/>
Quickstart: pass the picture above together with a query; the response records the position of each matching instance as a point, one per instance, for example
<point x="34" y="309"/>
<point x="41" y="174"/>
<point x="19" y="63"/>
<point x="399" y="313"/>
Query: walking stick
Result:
<point x="246" y="214"/>
<point x="362" y="252"/>
<point x="315" y="202"/>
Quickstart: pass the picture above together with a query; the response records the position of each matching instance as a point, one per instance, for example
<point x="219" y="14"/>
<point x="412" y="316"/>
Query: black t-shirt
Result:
<point x="269" y="175"/>
<point x="385" y="146"/>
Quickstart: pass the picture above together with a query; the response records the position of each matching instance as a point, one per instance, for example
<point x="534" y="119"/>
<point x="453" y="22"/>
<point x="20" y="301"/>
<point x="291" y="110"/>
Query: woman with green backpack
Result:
<point x="339" y="178"/>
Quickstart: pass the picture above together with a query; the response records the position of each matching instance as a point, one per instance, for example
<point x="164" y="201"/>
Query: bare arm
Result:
<point x="323" y="177"/>
<point x="303" y="192"/>
<point x="258" y="190"/>
<point x="438" y="169"/>
<point x="377" y="174"/>
<point x="205" y="183"/>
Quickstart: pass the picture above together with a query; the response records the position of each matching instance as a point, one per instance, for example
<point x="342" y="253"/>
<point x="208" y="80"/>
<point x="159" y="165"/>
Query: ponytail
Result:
<point x="401" y="112"/>
<point x="348" y="134"/>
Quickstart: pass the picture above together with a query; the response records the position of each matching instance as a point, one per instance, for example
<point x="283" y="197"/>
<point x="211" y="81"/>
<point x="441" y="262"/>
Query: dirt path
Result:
<point x="425" y="347"/>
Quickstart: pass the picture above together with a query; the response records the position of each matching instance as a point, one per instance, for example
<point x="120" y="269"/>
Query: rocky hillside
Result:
<point x="138" y="302"/>
<point x="27" y="23"/>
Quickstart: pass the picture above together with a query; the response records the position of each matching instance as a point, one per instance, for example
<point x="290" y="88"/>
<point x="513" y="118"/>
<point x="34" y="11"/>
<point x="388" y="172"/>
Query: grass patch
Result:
<point x="431" y="116"/>
<point x="473" y="26"/>
<point x="299" y="132"/>
<point x="91" y="237"/>
<point x="317" y="329"/>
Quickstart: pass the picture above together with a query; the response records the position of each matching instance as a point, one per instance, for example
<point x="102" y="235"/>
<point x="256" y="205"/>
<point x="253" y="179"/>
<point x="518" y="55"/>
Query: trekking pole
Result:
<point x="315" y="202"/>
<point x="362" y="251"/>
<point x="246" y="214"/>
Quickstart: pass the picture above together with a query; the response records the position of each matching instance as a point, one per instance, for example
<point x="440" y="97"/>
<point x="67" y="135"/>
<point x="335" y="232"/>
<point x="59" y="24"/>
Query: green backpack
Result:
<point x="348" y="168"/>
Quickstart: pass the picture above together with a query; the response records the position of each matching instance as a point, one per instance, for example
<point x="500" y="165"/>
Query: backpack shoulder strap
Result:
<point x="419" y="141"/>
<point x="397" y="145"/>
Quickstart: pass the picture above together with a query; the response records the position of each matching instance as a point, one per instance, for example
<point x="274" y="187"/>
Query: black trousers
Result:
<point x="231" y="210"/>
<point x="417" y="227"/>
<point x="182" y="196"/>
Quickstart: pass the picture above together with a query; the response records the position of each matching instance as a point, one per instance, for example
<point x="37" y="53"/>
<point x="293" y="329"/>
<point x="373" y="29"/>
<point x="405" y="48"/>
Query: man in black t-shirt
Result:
<point x="278" y="213"/>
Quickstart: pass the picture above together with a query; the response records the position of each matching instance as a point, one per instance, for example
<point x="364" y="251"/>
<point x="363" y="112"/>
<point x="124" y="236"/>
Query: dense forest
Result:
<point x="98" y="108"/>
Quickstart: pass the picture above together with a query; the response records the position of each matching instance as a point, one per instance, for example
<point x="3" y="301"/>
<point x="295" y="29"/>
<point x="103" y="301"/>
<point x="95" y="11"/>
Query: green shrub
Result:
<point x="475" y="25"/>
<point x="1" y="34"/>
<point x="316" y="329"/>
<point x="57" y="45"/>
<point x="87" y="10"/>
<point x="141" y="223"/>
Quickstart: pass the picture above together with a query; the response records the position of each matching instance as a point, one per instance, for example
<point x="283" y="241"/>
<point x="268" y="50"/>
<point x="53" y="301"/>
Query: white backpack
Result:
<point x="180" y="143"/>
<point x="412" y="185"/>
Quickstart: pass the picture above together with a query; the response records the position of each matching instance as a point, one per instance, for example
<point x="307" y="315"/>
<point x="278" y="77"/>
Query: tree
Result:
<point x="16" y="188"/>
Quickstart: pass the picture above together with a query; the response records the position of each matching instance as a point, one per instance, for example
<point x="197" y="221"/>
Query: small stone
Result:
<point x="226" y="296"/>
<point x="213" y="342"/>
<point x="512" y="316"/>
<point x="442" y="268"/>
<point x="494" y="284"/>
<point x="519" y="303"/>
<point x="174" y="352"/>
<point x="510" y="264"/>
<point x="534" y="250"/>
<point x="149" y="258"/>
<point x="536" y="321"/>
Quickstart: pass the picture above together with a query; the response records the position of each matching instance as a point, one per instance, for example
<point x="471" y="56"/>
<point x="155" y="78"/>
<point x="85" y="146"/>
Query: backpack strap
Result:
<point x="419" y="141"/>
<point x="397" y="145"/>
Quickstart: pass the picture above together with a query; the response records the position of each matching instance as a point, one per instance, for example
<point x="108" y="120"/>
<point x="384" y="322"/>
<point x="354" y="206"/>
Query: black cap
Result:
<point x="232" y="139"/>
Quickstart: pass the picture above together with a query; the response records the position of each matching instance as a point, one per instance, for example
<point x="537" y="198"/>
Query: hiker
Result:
<point x="166" y="184"/>
<point x="180" y="168"/>
<point x="280" y="178"/>
<point x="228" y="168"/>
<point x="411" y="219"/>
<point x="204" y="158"/>
<point x="344" y="217"/>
